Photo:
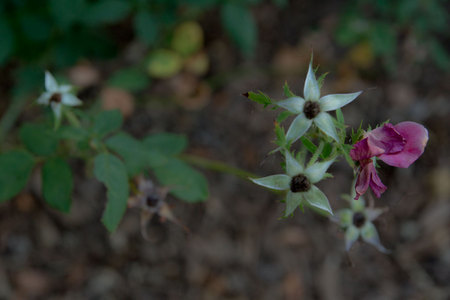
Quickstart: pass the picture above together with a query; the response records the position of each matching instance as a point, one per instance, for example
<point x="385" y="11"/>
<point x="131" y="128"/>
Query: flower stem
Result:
<point x="72" y="118"/>
<point x="216" y="166"/>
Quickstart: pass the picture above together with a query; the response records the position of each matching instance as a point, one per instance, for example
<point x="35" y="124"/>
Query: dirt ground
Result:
<point x="238" y="247"/>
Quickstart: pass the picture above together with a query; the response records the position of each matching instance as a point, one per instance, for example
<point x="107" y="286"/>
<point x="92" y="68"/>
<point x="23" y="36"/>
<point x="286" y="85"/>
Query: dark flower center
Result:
<point x="359" y="219"/>
<point x="311" y="109"/>
<point x="300" y="183"/>
<point x="56" y="97"/>
<point x="152" y="200"/>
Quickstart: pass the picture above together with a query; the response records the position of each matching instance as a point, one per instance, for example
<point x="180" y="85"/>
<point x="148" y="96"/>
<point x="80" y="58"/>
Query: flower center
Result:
<point x="311" y="109"/>
<point x="152" y="200"/>
<point x="56" y="97"/>
<point x="359" y="219"/>
<point x="300" y="183"/>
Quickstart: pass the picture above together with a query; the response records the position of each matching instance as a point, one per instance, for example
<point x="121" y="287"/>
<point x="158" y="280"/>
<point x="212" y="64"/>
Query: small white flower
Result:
<point x="299" y="182"/>
<point x="357" y="222"/>
<point x="57" y="95"/>
<point x="314" y="109"/>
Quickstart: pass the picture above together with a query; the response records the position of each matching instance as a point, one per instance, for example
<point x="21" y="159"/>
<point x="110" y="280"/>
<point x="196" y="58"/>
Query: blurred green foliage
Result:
<point x="383" y="23"/>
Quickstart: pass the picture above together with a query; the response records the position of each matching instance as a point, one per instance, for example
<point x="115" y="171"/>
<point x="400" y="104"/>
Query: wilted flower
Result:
<point x="57" y="95"/>
<point x="398" y="146"/>
<point x="299" y="182"/>
<point x="357" y="222"/>
<point x="313" y="108"/>
<point x="151" y="200"/>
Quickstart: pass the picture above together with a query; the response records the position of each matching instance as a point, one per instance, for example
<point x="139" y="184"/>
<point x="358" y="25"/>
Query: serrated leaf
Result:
<point x="16" y="167"/>
<point x="308" y="144"/>
<point x="169" y="144"/>
<point x="106" y="122"/>
<point x="283" y="116"/>
<point x="239" y="23"/>
<point x="259" y="97"/>
<point x="183" y="181"/>
<point x="280" y="135"/>
<point x="287" y="91"/>
<point x="136" y="156"/>
<point x="112" y="173"/>
<point x="39" y="139"/>
<point x="57" y="184"/>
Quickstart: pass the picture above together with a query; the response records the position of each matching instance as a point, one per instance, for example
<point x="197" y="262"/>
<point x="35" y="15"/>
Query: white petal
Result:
<point x="298" y="127"/>
<point x="293" y="200"/>
<point x="345" y="217"/>
<point x="293" y="104"/>
<point x="56" y="109"/>
<point x="50" y="83"/>
<point x="333" y="102"/>
<point x="325" y="123"/>
<point x="65" y="88"/>
<point x="373" y="213"/>
<point x="44" y="98"/>
<point x="316" y="172"/>
<point x="293" y="167"/>
<point x="70" y="100"/>
<point x="317" y="200"/>
<point x="370" y="235"/>
<point x="277" y="182"/>
<point x="311" y="90"/>
<point x="351" y="235"/>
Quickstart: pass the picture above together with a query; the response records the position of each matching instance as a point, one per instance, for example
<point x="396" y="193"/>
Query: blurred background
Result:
<point x="181" y="66"/>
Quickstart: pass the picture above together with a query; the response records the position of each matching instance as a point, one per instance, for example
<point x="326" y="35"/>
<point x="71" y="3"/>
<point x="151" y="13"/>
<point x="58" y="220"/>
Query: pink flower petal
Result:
<point x="416" y="137"/>
<point x="360" y="150"/>
<point x="368" y="177"/>
<point x="385" y="139"/>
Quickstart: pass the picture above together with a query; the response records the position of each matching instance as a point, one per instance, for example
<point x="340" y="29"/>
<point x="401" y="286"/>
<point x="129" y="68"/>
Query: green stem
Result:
<point x="72" y="118"/>
<point x="216" y="166"/>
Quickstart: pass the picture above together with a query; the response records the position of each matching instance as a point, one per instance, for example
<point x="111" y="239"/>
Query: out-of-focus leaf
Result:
<point x="39" y="139"/>
<point x="137" y="157"/>
<point x="169" y="144"/>
<point x="35" y="27"/>
<point x="16" y="167"/>
<point x="7" y="39"/>
<point x="106" y="122"/>
<point x="67" y="12"/>
<point x="146" y="27"/>
<point x="187" y="38"/>
<point x="111" y="171"/>
<point x="131" y="79"/>
<point x="183" y="181"/>
<point x="106" y="11"/>
<point x="239" y="23"/>
<point x="164" y="63"/>
<point x="57" y="184"/>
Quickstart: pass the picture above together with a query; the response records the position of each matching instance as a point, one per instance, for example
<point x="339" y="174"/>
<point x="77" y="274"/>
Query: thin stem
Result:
<point x="72" y="118"/>
<point x="216" y="166"/>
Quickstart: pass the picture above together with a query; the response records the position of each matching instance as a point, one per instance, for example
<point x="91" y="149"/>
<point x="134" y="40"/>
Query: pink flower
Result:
<point x="398" y="146"/>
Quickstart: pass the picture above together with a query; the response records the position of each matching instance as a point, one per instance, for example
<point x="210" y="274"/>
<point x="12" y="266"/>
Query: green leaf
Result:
<point x="187" y="38"/>
<point x="327" y="148"/>
<point x="137" y="157"/>
<point x="111" y="171"/>
<point x="259" y="97"/>
<point x="39" y="139"/>
<point x="57" y="184"/>
<point x="106" y="122"/>
<point x="340" y="116"/>
<point x="287" y="91"/>
<point x="308" y="144"/>
<point x="67" y="12"/>
<point x="280" y="135"/>
<point x="132" y="79"/>
<point x="239" y="23"/>
<point x="283" y="116"/>
<point x="184" y="182"/>
<point x="106" y="11"/>
<point x="164" y="63"/>
<point x="16" y="167"/>
<point x="7" y="40"/>
<point x="146" y="27"/>
<point x="71" y="133"/>
<point x="168" y="144"/>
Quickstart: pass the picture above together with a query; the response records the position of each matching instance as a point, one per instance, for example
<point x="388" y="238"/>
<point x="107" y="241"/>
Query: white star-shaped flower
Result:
<point x="57" y="95"/>
<point x="299" y="182"/>
<point x="314" y="108"/>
